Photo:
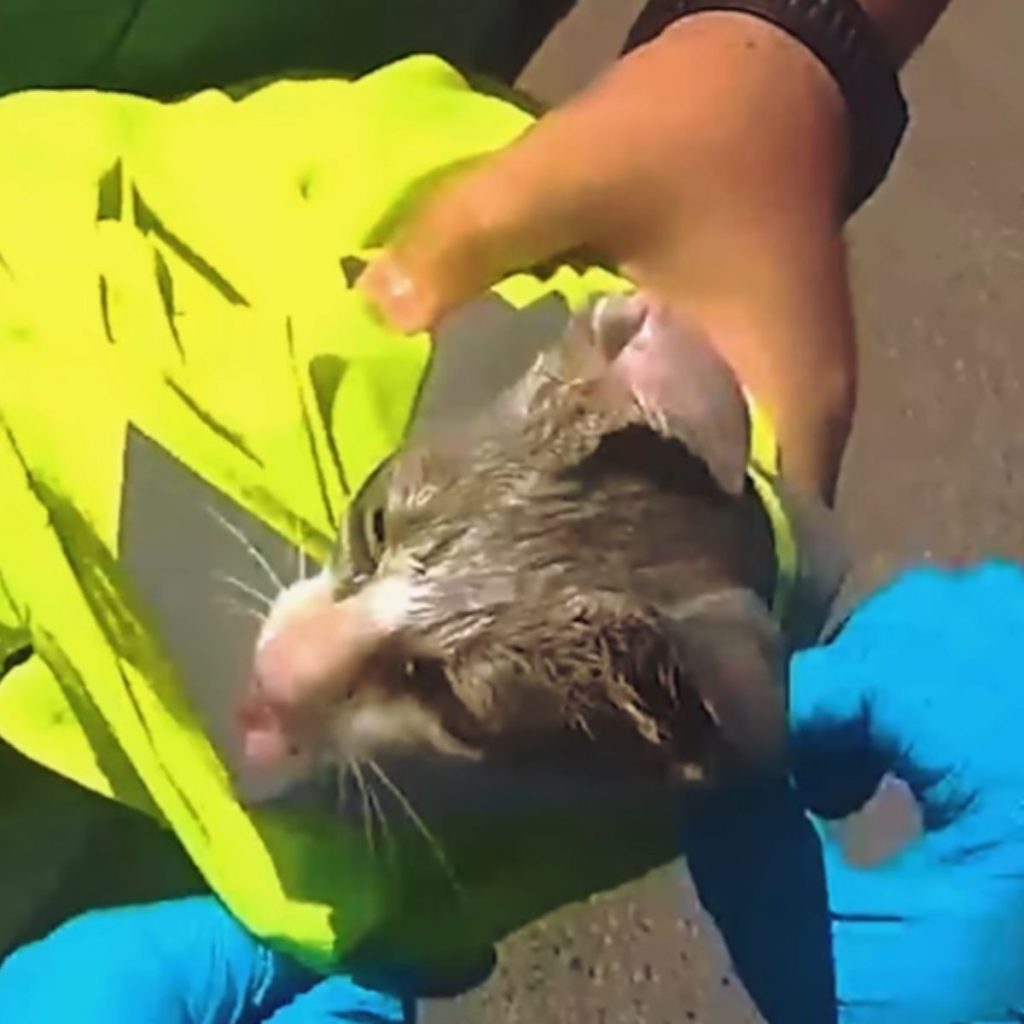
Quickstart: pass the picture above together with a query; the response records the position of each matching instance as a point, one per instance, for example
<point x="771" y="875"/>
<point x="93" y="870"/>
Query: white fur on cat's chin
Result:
<point x="381" y="726"/>
<point x="393" y="724"/>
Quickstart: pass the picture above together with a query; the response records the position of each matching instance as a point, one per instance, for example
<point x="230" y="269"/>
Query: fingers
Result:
<point x="339" y="998"/>
<point x="851" y="712"/>
<point x="919" y="682"/>
<point x="837" y="754"/>
<point x="509" y="212"/>
<point x="174" y="962"/>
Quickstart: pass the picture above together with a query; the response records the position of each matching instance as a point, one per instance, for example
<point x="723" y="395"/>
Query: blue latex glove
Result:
<point x="925" y="681"/>
<point x="181" y="962"/>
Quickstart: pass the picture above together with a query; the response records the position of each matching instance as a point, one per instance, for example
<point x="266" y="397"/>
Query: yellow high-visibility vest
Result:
<point x="173" y="308"/>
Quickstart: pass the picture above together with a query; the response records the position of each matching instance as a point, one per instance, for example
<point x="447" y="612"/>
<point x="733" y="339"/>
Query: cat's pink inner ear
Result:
<point x="683" y="388"/>
<point x="616" y="320"/>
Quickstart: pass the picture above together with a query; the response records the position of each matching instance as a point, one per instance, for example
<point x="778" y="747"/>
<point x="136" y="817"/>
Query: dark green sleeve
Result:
<point x="166" y="47"/>
<point x="163" y="47"/>
<point x="66" y="850"/>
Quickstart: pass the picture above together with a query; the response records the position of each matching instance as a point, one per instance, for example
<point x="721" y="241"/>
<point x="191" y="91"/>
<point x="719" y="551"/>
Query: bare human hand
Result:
<point x="711" y="166"/>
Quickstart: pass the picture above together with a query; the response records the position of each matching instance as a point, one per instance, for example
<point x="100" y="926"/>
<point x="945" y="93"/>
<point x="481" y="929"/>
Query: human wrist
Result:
<point x="860" y="53"/>
<point x="787" y="330"/>
<point x="741" y="111"/>
<point x="729" y="204"/>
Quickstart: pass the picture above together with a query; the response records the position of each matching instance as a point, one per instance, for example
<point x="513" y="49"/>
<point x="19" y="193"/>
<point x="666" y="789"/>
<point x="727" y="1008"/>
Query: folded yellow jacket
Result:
<point x="171" y="292"/>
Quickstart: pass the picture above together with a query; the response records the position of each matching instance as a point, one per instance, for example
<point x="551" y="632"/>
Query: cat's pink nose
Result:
<point x="313" y="653"/>
<point x="317" y="654"/>
<point x="266" y="736"/>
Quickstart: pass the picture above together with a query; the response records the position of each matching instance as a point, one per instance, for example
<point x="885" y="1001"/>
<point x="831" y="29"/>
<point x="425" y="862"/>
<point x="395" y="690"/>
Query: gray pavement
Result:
<point x="935" y="470"/>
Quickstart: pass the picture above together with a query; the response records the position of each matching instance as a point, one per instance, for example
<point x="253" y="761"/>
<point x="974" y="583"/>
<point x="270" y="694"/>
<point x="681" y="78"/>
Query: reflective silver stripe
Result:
<point x="482" y="349"/>
<point x="180" y="542"/>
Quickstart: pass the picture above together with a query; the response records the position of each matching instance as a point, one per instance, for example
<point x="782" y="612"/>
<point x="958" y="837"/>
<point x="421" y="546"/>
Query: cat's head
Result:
<point x="573" y="577"/>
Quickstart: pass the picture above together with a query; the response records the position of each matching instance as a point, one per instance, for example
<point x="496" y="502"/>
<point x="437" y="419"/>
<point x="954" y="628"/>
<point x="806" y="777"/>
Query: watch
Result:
<point x="842" y="36"/>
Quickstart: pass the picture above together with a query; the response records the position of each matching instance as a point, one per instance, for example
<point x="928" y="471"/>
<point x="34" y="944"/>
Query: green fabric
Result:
<point x="175" y="267"/>
<point x="168" y="47"/>
<point x="66" y="850"/>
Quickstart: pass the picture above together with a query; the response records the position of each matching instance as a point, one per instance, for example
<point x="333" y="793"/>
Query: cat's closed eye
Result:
<point x="376" y="530"/>
<point x="367" y="538"/>
<point x="364" y="534"/>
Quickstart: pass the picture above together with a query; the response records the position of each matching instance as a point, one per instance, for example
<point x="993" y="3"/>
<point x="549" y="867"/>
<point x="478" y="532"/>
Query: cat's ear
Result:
<point x="735" y="658"/>
<point x="677" y="383"/>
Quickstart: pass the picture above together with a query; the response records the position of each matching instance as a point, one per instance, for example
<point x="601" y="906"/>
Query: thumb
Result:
<point x="339" y="998"/>
<point x="838" y="750"/>
<point x="918" y="682"/>
<point x="507" y="212"/>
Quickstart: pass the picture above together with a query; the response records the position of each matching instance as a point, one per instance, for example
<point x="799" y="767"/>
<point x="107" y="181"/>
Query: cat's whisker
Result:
<point x="429" y="836"/>
<point x="241" y="609"/>
<point x="364" y="799"/>
<point x="371" y="811"/>
<point x="300" y="550"/>
<point x="344" y="770"/>
<point x="249" y="547"/>
<point x="581" y="723"/>
<point x="364" y="813"/>
<point x="245" y="588"/>
<point x="385" y="828"/>
<point x="669" y="683"/>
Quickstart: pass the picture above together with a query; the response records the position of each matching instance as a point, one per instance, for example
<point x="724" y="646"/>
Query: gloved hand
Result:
<point x="926" y="682"/>
<point x="179" y="962"/>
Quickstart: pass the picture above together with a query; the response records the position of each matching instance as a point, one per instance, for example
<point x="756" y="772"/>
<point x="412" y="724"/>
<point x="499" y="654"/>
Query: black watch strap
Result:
<point x="841" y="35"/>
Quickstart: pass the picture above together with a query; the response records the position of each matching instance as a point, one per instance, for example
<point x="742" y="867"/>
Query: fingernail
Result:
<point x="394" y="294"/>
